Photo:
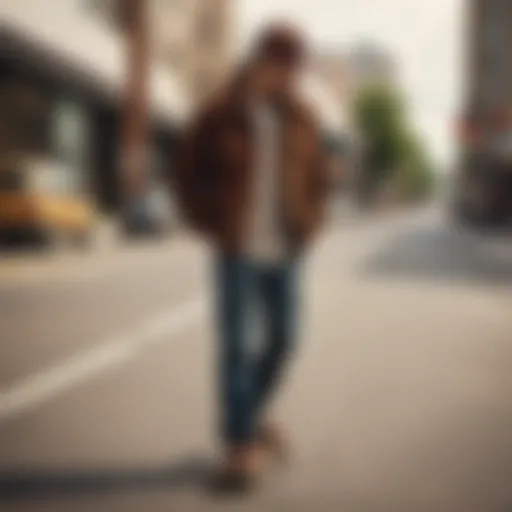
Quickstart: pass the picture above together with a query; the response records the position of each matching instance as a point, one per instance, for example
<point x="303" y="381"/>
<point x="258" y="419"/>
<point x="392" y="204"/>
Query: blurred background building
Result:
<point x="64" y="88"/>
<point x="369" y="65"/>
<point x="213" y="46"/>
<point x="346" y="73"/>
<point x="348" y="70"/>
<point x="193" y="38"/>
<point x="483" y="189"/>
<point x="326" y="88"/>
<point x="62" y="85"/>
<point x="331" y="66"/>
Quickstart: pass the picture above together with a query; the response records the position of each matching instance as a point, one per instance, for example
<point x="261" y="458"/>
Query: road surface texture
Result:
<point x="399" y="400"/>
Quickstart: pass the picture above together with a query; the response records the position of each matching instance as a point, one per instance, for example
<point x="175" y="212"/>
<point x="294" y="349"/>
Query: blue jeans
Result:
<point x="250" y="371"/>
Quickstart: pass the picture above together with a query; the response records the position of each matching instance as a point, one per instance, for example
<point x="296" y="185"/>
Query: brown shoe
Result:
<point x="241" y="470"/>
<point x="273" y="441"/>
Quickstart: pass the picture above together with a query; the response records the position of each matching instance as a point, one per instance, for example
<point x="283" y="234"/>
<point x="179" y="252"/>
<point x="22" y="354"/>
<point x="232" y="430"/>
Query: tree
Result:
<point x="379" y="119"/>
<point x="416" y="178"/>
<point x="392" y="154"/>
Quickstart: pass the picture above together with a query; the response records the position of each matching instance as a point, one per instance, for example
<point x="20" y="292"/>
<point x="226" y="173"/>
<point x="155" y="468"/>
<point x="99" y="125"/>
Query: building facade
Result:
<point x="193" y="38"/>
<point x="349" y="71"/>
<point x="369" y="65"/>
<point x="489" y="69"/>
<point x="331" y="67"/>
<point x="483" y="188"/>
<point x="213" y="46"/>
<point x="62" y="73"/>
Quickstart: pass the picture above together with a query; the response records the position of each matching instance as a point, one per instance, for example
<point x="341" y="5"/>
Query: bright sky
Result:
<point x="424" y="36"/>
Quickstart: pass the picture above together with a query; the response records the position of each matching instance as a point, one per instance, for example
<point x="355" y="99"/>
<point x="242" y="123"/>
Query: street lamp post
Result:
<point x="135" y="115"/>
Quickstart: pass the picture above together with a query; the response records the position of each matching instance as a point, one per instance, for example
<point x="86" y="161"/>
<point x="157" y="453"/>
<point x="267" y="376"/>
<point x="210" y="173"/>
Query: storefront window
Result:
<point x="24" y="109"/>
<point x="71" y="142"/>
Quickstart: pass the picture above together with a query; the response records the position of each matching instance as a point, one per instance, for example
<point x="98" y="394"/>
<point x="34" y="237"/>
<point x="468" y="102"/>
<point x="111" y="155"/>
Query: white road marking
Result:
<point x="107" y="355"/>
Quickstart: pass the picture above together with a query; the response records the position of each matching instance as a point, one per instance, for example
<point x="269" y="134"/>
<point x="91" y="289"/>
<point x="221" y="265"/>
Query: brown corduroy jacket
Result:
<point x="214" y="175"/>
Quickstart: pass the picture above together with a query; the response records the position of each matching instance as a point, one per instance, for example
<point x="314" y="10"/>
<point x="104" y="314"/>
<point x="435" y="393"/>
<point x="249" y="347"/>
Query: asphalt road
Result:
<point x="399" y="399"/>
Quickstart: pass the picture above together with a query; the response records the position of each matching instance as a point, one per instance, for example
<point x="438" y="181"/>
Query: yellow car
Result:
<point x="39" y="200"/>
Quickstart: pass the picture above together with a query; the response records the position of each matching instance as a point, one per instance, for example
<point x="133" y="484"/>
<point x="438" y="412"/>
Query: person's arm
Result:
<point x="194" y="172"/>
<point x="319" y="178"/>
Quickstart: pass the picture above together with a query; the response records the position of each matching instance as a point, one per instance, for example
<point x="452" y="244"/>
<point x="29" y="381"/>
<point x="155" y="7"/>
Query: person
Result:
<point x="252" y="180"/>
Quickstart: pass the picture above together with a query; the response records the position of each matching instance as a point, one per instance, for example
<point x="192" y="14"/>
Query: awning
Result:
<point x="73" y="40"/>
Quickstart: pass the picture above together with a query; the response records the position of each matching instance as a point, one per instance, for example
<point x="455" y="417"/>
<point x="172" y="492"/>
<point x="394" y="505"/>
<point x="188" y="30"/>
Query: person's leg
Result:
<point x="235" y="282"/>
<point x="278" y="294"/>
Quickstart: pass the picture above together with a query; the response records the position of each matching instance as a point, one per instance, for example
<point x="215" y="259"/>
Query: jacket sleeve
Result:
<point x="319" y="179"/>
<point x="194" y="172"/>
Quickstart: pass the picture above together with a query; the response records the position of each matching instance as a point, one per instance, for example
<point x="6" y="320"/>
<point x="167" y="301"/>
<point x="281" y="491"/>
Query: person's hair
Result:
<point x="281" y="43"/>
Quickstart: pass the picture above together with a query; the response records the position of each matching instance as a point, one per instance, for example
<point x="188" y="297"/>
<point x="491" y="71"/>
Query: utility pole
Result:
<point x="135" y="116"/>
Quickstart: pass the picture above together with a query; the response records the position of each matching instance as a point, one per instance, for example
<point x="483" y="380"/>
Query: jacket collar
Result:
<point x="237" y="98"/>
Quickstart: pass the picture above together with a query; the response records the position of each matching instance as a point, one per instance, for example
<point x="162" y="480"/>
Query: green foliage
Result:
<point x="391" y="151"/>
<point x="416" y="177"/>
<point x="379" y="117"/>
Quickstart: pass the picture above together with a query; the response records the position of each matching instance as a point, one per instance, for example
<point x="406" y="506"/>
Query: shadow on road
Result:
<point x="28" y="485"/>
<point x="440" y="253"/>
